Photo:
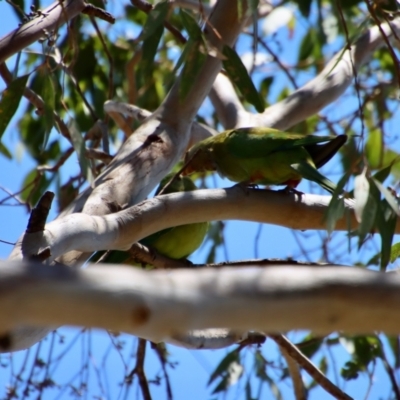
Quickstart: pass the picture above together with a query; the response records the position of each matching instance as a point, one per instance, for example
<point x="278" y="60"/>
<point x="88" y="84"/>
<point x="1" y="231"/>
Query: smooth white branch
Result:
<point x="45" y="23"/>
<point x="162" y="304"/>
<point x="198" y="130"/>
<point x="88" y="233"/>
<point x="308" y="100"/>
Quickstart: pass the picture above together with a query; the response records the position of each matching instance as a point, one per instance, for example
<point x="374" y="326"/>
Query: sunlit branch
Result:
<point x="157" y="305"/>
<point x="86" y="233"/>
<point x="308" y="100"/>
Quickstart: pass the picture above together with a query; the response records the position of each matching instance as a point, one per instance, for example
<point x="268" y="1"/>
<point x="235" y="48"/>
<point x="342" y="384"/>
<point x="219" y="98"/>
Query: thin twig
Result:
<point x="99" y="155"/>
<point x="110" y="60"/>
<point x="64" y="157"/>
<point x="355" y="74"/>
<point x="97" y="12"/>
<point x="131" y="78"/>
<point x="385" y="38"/>
<point x="389" y="371"/>
<point x="147" y="7"/>
<point x="121" y="122"/>
<point x="139" y="370"/>
<point x="311" y="369"/>
<point x="161" y="352"/>
<point x="295" y="374"/>
<point x="279" y="62"/>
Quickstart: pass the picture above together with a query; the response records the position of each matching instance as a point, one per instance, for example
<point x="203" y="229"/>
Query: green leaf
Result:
<point x="336" y="207"/>
<point x="238" y="75"/>
<point x="374" y="149"/>
<point x="386" y="222"/>
<point x="48" y="95"/>
<point x="368" y="219"/>
<point x="10" y="101"/>
<point x="253" y="5"/>
<point x="307" y="45"/>
<point x="395" y="347"/>
<point x="233" y="374"/>
<point x="19" y="9"/>
<point x="222" y="367"/>
<point x="79" y="146"/>
<point x="365" y="350"/>
<point x="265" y="86"/>
<point x="35" y="183"/>
<point x="229" y="370"/>
<point x="312" y="174"/>
<point x="382" y="174"/>
<point x="388" y="196"/>
<point x="5" y="151"/>
<point x="395" y="252"/>
<point x="310" y="345"/>
<point x="149" y="51"/>
<point x="304" y="7"/>
<point x="350" y="371"/>
<point x="190" y="25"/>
<point x="193" y="64"/>
<point x="155" y="19"/>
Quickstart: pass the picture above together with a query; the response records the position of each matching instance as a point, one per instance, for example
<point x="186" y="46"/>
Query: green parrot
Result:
<point x="177" y="242"/>
<point x="265" y="156"/>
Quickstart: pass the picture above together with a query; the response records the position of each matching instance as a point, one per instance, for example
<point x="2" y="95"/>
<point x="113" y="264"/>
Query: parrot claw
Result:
<point x="246" y="186"/>
<point x="291" y="190"/>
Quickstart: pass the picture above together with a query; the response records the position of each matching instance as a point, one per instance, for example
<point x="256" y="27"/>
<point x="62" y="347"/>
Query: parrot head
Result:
<point x="179" y="184"/>
<point x="199" y="158"/>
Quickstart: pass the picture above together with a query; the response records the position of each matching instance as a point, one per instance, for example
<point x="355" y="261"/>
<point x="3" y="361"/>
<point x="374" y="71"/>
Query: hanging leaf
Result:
<point x="382" y="174"/>
<point x="5" y="151"/>
<point x="395" y="252"/>
<point x="239" y="76"/>
<point x="79" y="146"/>
<point x="222" y="367"/>
<point x="34" y="184"/>
<point x="304" y="7"/>
<point x="194" y="62"/>
<point x="190" y="24"/>
<point x="10" y="101"/>
<point x="368" y="217"/>
<point x="253" y="5"/>
<point x="388" y="196"/>
<point x="386" y="222"/>
<point x="48" y="95"/>
<point x="336" y="207"/>
<point x="155" y="20"/>
<point x="149" y="51"/>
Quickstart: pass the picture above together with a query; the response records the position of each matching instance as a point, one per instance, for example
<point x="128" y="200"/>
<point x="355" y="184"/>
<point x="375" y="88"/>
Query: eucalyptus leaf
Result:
<point x="10" y="100"/>
<point x="239" y="76"/>
<point x="223" y="366"/>
<point x="48" y="95"/>
<point x="155" y="19"/>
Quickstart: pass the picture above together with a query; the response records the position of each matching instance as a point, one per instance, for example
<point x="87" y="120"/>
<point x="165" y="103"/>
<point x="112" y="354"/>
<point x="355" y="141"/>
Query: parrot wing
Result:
<point x="259" y="142"/>
<point x="322" y="153"/>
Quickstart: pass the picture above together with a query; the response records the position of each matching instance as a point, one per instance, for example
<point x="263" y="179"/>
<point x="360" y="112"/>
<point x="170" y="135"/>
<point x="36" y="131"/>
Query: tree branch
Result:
<point x="198" y="131"/>
<point x="157" y="305"/>
<point x="50" y="19"/>
<point x="292" y="351"/>
<point x="120" y="230"/>
<point x="324" y="89"/>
